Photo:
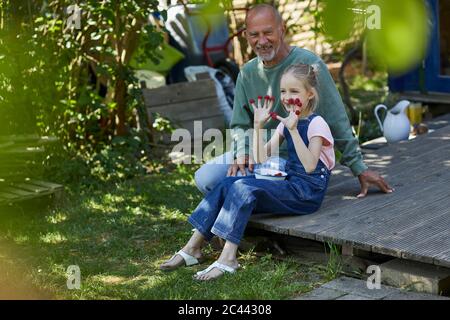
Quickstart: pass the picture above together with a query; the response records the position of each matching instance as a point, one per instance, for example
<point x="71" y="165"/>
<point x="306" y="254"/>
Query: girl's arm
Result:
<point x="261" y="115"/>
<point x="260" y="151"/>
<point x="308" y="156"/>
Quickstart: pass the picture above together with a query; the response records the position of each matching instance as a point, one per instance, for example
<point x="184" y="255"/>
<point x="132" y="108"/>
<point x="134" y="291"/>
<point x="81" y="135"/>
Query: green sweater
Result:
<point x="256" y="80"/>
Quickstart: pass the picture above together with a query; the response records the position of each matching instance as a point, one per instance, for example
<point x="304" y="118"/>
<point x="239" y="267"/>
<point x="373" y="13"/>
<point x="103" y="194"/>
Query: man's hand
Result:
<point x="239" y="165"/>
<point x="368" y="178"/>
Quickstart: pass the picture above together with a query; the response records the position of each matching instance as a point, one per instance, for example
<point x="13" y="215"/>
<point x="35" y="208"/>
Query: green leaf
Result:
<point x="338" y="19"/>
<point x="402" y="41"/>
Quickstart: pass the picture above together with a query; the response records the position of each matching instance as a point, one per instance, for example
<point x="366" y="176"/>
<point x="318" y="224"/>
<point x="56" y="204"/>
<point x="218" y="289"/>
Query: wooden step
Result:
<point x="20" y="191"/>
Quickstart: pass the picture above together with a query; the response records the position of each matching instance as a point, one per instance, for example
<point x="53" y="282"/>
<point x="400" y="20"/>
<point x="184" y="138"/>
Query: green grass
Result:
<point x="118" y="234"/>
<point x="334" y="265"/>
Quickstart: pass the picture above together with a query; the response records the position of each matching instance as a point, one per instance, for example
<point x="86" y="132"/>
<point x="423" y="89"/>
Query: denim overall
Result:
<point x="226" y="209"/>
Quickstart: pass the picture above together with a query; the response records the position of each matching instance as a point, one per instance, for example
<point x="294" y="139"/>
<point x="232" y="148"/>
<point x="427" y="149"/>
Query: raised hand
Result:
<point x="262" y="109"/>
<point x="290" y="122"/>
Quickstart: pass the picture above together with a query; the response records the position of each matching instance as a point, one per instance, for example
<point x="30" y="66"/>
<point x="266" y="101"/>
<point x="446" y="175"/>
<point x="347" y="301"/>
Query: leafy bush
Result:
<point x="77" y="83"/>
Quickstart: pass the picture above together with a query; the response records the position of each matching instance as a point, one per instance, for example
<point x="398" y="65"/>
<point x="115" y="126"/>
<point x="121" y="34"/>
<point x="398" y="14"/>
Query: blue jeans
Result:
<point x="226" y="210"/>
<point x="213" y="172"/>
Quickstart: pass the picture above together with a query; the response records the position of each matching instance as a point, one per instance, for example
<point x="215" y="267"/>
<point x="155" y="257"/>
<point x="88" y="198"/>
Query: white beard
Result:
<point x="267" y="57"/>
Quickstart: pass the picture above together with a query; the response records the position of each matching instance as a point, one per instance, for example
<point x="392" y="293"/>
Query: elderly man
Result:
<point x="265" y="32"/>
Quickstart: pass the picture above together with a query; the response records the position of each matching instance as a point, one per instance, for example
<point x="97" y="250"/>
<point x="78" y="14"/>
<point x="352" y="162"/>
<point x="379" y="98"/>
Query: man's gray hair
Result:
<point x="265" y="6"/>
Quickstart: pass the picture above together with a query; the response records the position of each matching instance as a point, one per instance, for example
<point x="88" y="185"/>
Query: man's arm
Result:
<point x="332" y="109"/>
<point x="240" y="121"/>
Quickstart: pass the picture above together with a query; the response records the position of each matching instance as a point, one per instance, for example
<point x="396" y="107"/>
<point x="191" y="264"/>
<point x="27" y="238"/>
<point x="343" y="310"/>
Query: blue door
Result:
<point x="437" y="64"/>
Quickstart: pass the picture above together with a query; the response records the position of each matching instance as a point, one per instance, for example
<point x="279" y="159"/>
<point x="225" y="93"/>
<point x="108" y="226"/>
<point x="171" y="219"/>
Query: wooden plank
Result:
<point x="26" y="191"/>
<point x="433" y="250"/>
<point x="399" y="174"/>
<point x="406" y="219"/>
<point x="418" y="224"/>
<point x="406" y="178"/>
<point x="421" y="234"/>
<point x="394" y="154"/>
<point x="179" y="92"/>
<point x="397" y="216"/>
<point x="189" y="110"/>
<point x="439" y="122"/>
<point x="340" y="174"/>
<point x="416" y="199"/>
<point x="309" y="226"/>
<point x="46" y="184"/>
<point x="44" y="140"/>
<point x="427" y="98"/>
<point x="22" y="151"/>
<point x="345" y="211"/>
<point x="8" y="196"/>
<point x="22" y="194"/>
<point x="208" y="123"/>
<point x="405" y="146"/>
<point x="6" y="144"/>
<point x="31" y="187"/>
<point x="18" y="192"/>
<point x="443" y="259"/>
<point x="19" y="138"/>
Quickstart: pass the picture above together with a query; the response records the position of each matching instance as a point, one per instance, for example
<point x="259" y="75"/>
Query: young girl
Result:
<point x="225" y="210"/>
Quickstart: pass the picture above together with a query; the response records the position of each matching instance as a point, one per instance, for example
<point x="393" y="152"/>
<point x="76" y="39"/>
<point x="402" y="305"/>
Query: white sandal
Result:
<point x="222" y="267"/>
<point x="188" y="260"/>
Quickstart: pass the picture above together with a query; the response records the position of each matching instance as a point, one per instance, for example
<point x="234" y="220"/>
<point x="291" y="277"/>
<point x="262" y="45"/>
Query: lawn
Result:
<point x="118" y="234"/>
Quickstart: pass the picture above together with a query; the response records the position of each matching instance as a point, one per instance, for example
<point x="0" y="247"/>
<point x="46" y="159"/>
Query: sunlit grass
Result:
<point x="53" y="238"/>
<point x="118" y="236"/>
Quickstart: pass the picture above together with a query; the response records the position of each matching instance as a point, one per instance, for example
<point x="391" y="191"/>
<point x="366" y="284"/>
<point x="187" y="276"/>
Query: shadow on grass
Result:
<point x="119" y="234"/>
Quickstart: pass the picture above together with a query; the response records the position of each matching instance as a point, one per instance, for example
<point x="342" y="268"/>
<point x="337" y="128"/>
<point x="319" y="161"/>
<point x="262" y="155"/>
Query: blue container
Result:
<point x="433" y="75"/>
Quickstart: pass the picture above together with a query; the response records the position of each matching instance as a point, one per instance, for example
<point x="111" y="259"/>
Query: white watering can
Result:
<point x="396" y="125"/>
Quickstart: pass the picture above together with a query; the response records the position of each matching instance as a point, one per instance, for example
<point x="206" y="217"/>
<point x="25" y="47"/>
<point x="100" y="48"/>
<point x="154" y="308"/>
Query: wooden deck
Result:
<point x="412" y="223"/>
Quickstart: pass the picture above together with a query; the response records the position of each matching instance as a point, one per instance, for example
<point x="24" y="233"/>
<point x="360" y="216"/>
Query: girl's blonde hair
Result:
<point x="308" y="75"/>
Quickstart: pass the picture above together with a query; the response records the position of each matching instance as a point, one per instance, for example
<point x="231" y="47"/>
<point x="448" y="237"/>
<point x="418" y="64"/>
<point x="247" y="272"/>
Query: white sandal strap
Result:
<point x="222" y="267"/>
<point x="188" y="259"/>
<point x="206" y="270"/>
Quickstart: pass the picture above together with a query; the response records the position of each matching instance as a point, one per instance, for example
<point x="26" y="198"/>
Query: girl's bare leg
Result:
<point x="193" y="247"/>
<point x="227" y="257"/>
